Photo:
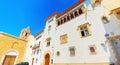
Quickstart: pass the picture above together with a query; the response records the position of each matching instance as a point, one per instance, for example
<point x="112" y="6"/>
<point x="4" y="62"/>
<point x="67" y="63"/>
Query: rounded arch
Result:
<point x="11" y="52"/>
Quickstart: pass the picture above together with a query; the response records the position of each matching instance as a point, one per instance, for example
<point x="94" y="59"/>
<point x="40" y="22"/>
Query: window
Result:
<point x="68" y="18"/>
<point x="30" y="46"/>
<point x="51" y="61"/>
<point x="72" y="16"/>
<point x="92" y="49"/>
<point x="38" y="51"/>
<point x="58" y="23"/>
<point x="64" y="19"/>
<point x="76" y="13"/>
<point x="36" y="60"/>
<point x="84" y="30"/>
<point x="63" y="38"/>
<point x="34" y="51"/>
<point x="25" y="34"/>
<point x="72" y="51"/>
<point x="49" y="27"/>
<point x="58" y="53"/>
<point x="80" y="11"/>
<point x="48" y="41"/>
<point x="61" y="21"/>
<point x="105" y="20"/>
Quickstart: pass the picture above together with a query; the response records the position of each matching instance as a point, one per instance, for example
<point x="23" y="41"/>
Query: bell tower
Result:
<point x="25" y="33"/>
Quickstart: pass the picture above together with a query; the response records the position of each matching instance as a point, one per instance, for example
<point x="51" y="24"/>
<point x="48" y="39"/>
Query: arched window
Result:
<point x="72" y="16"/>
<point x="58" y="23"/>
<point x="76" y="13"/>
<point x="80" y="11"/>
<point x="65" y="19"/>
<point x="61" y="21"/>
<point x="68" y="18"/>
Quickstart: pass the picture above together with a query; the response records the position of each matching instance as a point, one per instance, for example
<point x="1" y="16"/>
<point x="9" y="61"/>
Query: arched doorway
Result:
<point x="47" y="59"/>
<point x="10" y="57"/>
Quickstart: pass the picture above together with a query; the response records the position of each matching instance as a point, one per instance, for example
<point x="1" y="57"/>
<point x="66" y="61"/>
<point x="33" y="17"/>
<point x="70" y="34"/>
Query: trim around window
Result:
<point x="84" y="30"/>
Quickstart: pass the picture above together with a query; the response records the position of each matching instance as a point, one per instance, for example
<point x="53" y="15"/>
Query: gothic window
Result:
<point x="72" y="51"/>
<point x="84" y="30"/>
<point x="63" y="38"/>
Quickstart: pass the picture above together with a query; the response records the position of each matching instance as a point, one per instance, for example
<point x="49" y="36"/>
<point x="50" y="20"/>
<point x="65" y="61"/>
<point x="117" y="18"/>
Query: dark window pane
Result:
<point x="72" y="16"/>
<point x="76" y="13"/>
<point x="64" y="20"/>
<point x="61" y="21"/>
<point x="68" y="18"/>
<point x="92" y="49"/>
<point x="82" y="33"/>
<point x="58" y="23"/>
<point x="80" y="11"/>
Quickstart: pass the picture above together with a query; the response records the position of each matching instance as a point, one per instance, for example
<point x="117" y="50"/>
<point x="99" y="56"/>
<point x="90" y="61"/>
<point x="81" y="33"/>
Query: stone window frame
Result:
<point x="88" y="28"/>
<point x="72" y="53"/>
<point x="63" y="38"/>
<point x="95" y="49"/>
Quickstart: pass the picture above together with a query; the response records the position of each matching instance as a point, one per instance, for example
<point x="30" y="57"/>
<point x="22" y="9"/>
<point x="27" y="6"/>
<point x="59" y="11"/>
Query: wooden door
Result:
<point x="9" y="60"/>
<point x="47" y="59"/>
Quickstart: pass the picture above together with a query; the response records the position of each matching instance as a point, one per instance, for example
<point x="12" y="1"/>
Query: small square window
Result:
<point x="92" y="49"/>
<point x="63" y="38"/>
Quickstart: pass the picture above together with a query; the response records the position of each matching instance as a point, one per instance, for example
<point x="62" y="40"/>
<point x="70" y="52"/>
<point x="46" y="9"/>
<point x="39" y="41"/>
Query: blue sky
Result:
<point x="18" y="14"/>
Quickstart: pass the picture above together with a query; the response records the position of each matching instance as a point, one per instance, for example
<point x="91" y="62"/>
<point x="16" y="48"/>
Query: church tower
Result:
<point x="25" y="33"/>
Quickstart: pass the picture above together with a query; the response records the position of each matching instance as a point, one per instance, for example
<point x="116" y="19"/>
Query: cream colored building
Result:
<point x="83" y="34"/>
